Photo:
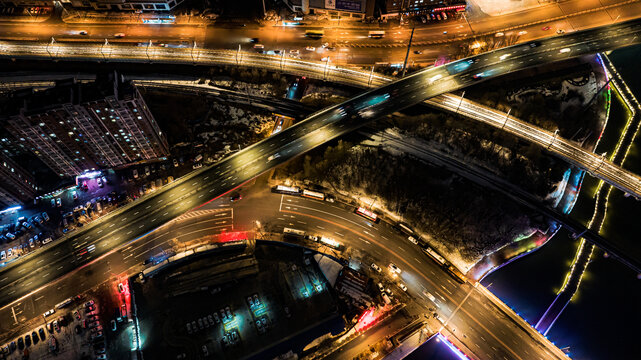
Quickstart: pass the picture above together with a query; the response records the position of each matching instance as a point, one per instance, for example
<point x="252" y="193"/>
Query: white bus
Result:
<point x="405" y="228"/>
<point x="313" y="194"/>
<point x="293" y="233"/>
<point x="434" y="255"/>
<point x="376" y="34"/>
<point x="289" y="190"/>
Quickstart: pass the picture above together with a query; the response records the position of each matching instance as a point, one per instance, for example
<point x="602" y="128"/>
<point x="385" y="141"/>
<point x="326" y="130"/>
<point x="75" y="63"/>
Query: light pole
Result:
<point x="600" y="163"/>
<point x="325" y="71"/>
<point x="193" y="48"/>
<point x="553" y="137"/>
<point x="102" y="49"/>
<point x="238" y="56"/>
<point x="506" y="117"/>
<point x="468" y="23"/>
<point x="51" y="43"/>
<point x="369" y="82"/>
<point x="282" y="57"/>
<point x="147" y="52"/>
<point x="407" y="54"/>
<point x="460" y="102"/>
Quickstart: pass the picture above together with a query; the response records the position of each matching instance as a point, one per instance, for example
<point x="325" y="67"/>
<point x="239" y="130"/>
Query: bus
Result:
<point x="331" y="243"/>
<point x="289" y="190"/>
<point x="456" y="274"/>
<point x="158" y="19"/>
<point x="314" y="34"/>
<point x="434" y="255"/>
<point x="64" y="303"/>
<point x="376" y="34"/>
<point x="404" y="228"/>
<point x="313" y="195"/>
<point x="367" y="214"/>
<point x="293" y="233"/>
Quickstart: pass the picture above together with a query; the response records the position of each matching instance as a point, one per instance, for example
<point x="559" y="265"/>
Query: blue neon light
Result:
<point x="454" y="349"/>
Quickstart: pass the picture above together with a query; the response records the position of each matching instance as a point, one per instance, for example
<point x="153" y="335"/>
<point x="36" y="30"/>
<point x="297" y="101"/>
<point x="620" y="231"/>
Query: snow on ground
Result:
<point x="504" y="7"/>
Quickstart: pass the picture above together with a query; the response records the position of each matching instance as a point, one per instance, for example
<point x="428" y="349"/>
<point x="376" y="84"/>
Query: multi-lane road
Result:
<point x="431" y="40"/>
<point x="134" y="220"/>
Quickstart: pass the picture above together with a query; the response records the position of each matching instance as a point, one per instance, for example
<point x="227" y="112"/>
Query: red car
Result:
<point x="545" y="28"/>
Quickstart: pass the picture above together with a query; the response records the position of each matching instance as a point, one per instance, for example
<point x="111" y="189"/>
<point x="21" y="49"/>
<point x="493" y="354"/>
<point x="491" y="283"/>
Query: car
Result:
<point x="20" y="343"/>
<point x="89" y="303"/>
<point x="418" y="52"/>
<point x="294" y="52"/>
<point x="34" y="337"/>
<point x="10" y="252"/>
<point x="82" y="32"/>
<point x="376" y="268"/>
<point x="389" y="292"/>
<point x="211" y="320"/>
<point x="101" y="357"/>
<point x="76" y="314"/>
<point x="205" y="351"/>
<point x="38" y="219"/>
<point x="325" y="59"/>
<point x="402" y="286"/>
<point x="274" y="156"/>
<point x="545" y="28"/>
<point x="42" y="334"/>
<point x="259" y="326"/>
<point x="256" y="300"/>
<point x="254" y="40"/>
<point x="216" y="318"/>
<point x="522" y="32"/>
<point x="113" y="325"/>
<point x="58" y="202"/>
<point x="27" y="225"/>
<point x="62" y="321"/>
<point x="27" y="340"/>
<point x="49" y="312"/>
<point x="250" y="301"/>
<point x="147" y="173"/>
<point x="565" y="50"/>
<point x="394" y="269"/>
<point x="50" y="327"/>
<point x="119" y="35"/>
<point x="228" y="312"/>
<point x="96" y="335"/>
<point x="175" y="163"/>
<point x="74" y="195"/>
<point x="560" y="31"/>
<point x="200" y="324"/>
<point x="32" y="244"/>
<point x="499" y="34"/>
<point x="100" y="183"/>
<point x="53" y="202"/>
<point x="12" y="346"/>
<point x="3" y="255"/>
<point x="96" y="329"/>
<point x="412" y="240"/>
<point x="235" y="197"/>
<point x="98" y="351"/>
<point x="89" y="309"/>
<point x="134" y="173"/>
<point x="197" y="166"/>
<point x="194" y="326"/>
<point x="121" y="288"/>
<point x="310" y="48"/>
<point x="10" y="236"/>
<point x="381" y="288"/>
<point x="189" y="330"/>
<point x="45" y="216"/>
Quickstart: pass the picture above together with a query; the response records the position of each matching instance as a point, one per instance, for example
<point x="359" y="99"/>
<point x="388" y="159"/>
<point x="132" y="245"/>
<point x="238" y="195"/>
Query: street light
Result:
<point x="325" y="71"/>
<point x="506" y="117"/>
<point x="553" y="137"/>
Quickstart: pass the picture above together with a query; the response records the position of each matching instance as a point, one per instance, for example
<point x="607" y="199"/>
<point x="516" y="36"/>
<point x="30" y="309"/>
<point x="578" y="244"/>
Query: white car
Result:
<point x="376" y="268"/>
<point x="310" y="48"/>
<point x="294" y="52"/>
<point x="275" y="156"/>
<point x="402" y="286"/>
<point x="413" y="240"/>
<point x="394" y="269"/>
<point x="3" y="255"/>
<point x="380" y="287"/>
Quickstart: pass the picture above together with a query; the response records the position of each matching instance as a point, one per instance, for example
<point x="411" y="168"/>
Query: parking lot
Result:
<point x="237" y="318"/>
<point x="71" y="330"/>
